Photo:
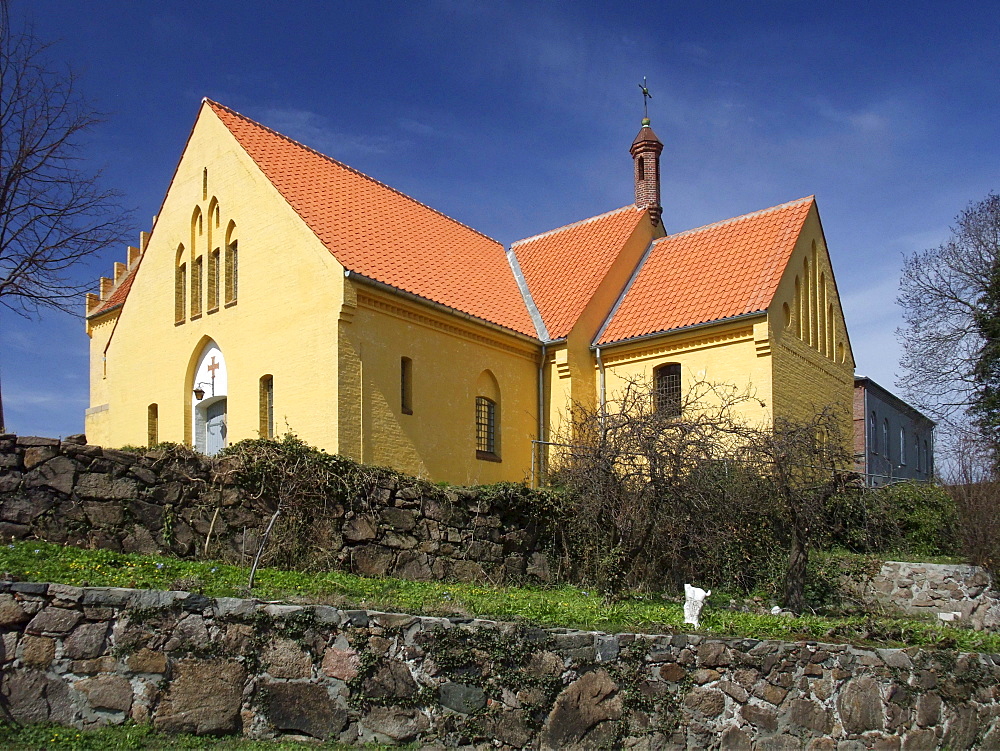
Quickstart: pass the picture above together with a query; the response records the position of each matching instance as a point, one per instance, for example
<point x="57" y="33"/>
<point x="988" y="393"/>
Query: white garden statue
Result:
<point x="694" y="601"/>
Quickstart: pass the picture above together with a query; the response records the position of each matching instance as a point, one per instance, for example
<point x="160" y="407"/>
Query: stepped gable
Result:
<point x="114" y="291"/>
<point x="707" y="274"/>
<point x="563" y="267"/>
<point x="382" y="234"/>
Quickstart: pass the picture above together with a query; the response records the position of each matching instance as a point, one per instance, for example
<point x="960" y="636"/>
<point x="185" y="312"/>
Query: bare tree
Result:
<point x="53" y="211"/>
<point x="950" y="297"/>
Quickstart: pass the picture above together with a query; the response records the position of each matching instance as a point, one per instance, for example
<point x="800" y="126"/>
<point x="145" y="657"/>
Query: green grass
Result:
<point x="129" y="736"/>
<point x="562" y="606"/>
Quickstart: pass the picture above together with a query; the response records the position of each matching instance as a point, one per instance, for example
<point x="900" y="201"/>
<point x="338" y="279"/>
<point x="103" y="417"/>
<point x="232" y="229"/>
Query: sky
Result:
<point x="517" y="117"/>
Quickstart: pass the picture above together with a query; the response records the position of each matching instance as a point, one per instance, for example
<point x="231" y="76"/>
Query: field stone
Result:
<point x="36" y="455"/>
<point x="708" y="701"/>
<point x="147" y="661"/>
<point x="392" y="680"/>
<point x="286" y="659"/>
<point x="54" y="620"/>
<point x="86" y="641"/>
<point x="11" y="613"/>
<point x="587" y="703"/>
<point x="396" y="723"/>
<point x="462" y="697"/>
<point x="204" y="698"/>
<point x="112" y="692"/>
<point x="58" y="473"/>
<point x="341" y="663"/>
<point x="860" y="705"/>
<point x="304" y="708"/>
<point x="37" y="651"/>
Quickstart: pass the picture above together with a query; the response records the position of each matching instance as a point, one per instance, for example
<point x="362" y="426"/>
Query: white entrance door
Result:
<point x="215" y="427"/>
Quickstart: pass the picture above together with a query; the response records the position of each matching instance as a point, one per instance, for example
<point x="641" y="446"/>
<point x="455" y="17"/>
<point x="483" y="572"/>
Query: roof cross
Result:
<point x="646" y="96"/>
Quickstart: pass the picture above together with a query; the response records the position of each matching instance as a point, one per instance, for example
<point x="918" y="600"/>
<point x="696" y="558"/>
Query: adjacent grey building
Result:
<point x="892" y="440"/>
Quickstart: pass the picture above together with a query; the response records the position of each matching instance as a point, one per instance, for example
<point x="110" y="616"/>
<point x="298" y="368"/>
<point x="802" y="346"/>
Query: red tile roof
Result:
<point x="383" y="234"/>
<point x="563" y="267"/>
<point x="710" y="273"/>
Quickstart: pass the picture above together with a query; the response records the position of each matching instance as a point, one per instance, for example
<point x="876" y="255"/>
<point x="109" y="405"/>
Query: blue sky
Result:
<point x="517" y="117"/>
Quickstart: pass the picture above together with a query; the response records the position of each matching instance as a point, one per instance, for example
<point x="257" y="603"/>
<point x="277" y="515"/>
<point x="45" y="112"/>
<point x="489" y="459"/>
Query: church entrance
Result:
<point x="215" y="427"/>
<point x="210" y="404"/>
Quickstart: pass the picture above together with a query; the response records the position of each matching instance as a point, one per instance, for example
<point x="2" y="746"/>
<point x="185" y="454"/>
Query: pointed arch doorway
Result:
<point x="209" y="417"/>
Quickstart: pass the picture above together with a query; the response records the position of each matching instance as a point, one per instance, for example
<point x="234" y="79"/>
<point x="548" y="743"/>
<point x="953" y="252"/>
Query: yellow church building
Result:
<point x="280" y="290"/>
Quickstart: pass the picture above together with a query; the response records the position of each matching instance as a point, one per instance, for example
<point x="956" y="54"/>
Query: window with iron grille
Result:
<point x="667" y="389"/>
<point x="486" y="414"/>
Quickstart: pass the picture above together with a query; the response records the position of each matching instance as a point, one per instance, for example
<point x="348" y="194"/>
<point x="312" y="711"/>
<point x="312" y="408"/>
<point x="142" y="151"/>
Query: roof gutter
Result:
<point x="682" y="329"/>
<point x="348" y="274"/>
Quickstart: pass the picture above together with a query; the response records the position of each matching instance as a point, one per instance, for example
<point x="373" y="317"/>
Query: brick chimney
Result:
<point x="646" y="149"/>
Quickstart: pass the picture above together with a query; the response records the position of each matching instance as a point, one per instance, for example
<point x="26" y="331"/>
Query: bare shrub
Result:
<point x="661" y="498"/>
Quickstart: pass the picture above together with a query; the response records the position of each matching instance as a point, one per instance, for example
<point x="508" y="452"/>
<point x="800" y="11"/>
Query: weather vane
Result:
<point x="646" y="96"/>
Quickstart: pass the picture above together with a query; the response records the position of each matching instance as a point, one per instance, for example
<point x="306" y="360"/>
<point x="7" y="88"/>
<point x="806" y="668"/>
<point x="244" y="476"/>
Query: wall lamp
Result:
<point x="199" y="392"/>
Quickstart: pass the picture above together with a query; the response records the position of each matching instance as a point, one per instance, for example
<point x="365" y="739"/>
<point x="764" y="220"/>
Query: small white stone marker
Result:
<point x="694" y="601"/>
<point x="949" y="616"/>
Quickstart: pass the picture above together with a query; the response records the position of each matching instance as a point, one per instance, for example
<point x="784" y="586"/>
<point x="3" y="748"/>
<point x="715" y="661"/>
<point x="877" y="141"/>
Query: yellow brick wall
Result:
<point x="448" y="354"/>
<point x="724" y="355"/>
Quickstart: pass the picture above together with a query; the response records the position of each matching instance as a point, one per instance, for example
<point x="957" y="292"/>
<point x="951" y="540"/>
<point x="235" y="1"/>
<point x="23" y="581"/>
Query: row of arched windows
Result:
<point x="214" y="268"/>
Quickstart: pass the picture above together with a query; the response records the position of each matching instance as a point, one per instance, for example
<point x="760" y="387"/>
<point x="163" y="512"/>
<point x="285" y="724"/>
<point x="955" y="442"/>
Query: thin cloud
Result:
<point x="315" y="131"/>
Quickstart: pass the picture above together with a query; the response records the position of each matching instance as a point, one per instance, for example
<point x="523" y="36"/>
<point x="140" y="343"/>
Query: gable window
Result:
<point x="406" y="385"/>
<point x="196" y="278"/>
<point x="267" y="407"/>
<point x="152" y="425"/>
<point x="180" y="293"/>
<point x="213" y="281"/>
<point x="486" y="428"/>
<point x="667" y="389"/>
<point x="232" y="272"/>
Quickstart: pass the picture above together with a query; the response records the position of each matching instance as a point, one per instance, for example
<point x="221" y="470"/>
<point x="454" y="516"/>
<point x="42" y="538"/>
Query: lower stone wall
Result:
<point x="188" y="663"/>
<point x="931" y="588"/>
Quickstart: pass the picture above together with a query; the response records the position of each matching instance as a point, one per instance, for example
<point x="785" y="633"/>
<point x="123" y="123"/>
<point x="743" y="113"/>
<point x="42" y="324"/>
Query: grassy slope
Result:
<point x="558" y="606"/>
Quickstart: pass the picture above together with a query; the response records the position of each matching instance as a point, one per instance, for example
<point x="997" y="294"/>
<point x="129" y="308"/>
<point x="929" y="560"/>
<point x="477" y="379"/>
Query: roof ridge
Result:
<point x="731" y="220"/>
<point x="348" y="167"/>
<point x="574" y="225"/>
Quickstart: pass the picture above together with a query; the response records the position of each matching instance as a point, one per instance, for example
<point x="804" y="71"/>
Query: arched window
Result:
<point x="798" y="308"/>
<point x="488" y="417"/>
<point x="873" y="432"/>
<point x="197" y="271"/>
<point x="180" y="287"/>
<point x="267" y="407"/>
<point x="885" y="438"/>
<point x="928" y="464"/>
<point x="667" y="389"/>
<point x="152" y="425"/>
<point x="902" y="447"/>
<point x="918" y="452"/>
<point x="232" y="265"/>
<point x="406" y="385"/>
<point x="213" y="281"/>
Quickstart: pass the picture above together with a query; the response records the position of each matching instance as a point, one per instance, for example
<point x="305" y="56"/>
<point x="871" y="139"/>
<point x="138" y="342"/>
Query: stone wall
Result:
<point x="187" y="663"/>
<point x="188" y="505"/>
<point x="931" y="588"/>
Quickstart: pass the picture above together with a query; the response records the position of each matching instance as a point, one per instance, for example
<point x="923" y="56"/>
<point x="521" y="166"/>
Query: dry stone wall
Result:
<point x="188" y="505"/>
<point x="188" y="663"/>
<point x="931" y="588"/>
